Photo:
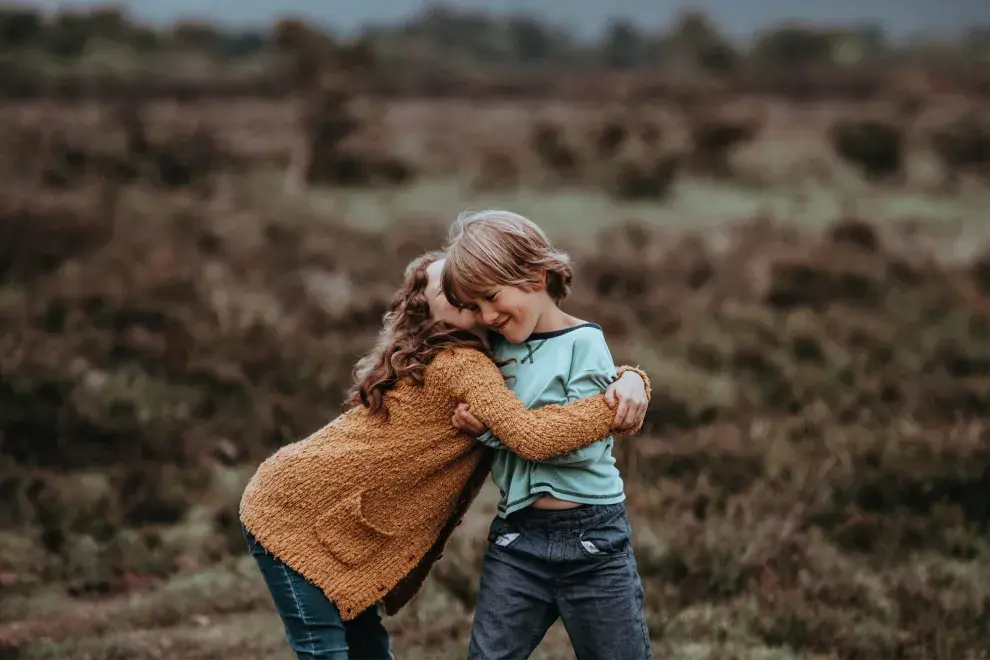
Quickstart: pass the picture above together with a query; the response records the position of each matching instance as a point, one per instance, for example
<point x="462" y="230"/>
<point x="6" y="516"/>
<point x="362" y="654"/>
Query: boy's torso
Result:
<point x="540" y="373"/>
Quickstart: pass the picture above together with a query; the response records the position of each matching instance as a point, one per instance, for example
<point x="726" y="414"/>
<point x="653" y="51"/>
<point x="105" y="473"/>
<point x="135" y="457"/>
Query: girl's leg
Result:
<point x="312" y="623"/>
<point x="367" y="636"/>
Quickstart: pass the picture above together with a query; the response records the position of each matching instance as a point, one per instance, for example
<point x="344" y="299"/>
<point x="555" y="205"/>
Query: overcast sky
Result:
<point x="738" y="17"/>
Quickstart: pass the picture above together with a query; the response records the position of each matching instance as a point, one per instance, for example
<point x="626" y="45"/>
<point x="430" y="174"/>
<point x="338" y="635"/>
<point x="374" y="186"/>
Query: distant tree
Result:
<point x="529" y="38"/>
<point x="694" y="27"/>
<point x="197" y="35"/>
<point x="143" y="39"/>
<point x="455" y="31"/>
<point x="68" y="34"/>
<point x="20" y="26"/>
<point x="109" y="23"/>
<point x="242" y="44"/>
<point x="305" y="51"/>
<point x="976" y="43"/>
<point x="696" y="39"/>
<point x="794" y="45"/>
<point x="623" y="46"/>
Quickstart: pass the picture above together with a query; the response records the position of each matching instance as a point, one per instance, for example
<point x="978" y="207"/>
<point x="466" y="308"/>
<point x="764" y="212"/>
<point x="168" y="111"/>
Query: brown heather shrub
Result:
<point x="963" y="146"/>
<point x="812" y="477"/>
<point x="36" y="238"/>
<point x="331" y="149"/>
<point x="549" y="142"/>
<point x="714" y="137"/>
<point x="499" y="170"/>
<point x="873" y="146"/>
<point x="643" y="178"/>
<point x="609" y="137"/>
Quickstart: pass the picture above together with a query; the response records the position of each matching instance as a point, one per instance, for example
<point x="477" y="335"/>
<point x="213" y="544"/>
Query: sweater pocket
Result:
<point x="347" y="534"/>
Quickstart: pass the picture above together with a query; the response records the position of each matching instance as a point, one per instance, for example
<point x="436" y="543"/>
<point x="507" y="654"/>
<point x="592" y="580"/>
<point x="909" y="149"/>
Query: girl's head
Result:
<point x="419" y="323"/>
<point x="501" y="266"/>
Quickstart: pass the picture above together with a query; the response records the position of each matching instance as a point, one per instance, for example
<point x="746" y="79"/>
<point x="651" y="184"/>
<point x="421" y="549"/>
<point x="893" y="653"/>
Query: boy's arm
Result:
<point x="536" y="435"/>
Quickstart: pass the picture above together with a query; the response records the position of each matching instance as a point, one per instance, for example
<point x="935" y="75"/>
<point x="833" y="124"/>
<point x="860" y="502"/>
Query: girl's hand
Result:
<point x="465" y="422"/>
<point x="630" y="393"/>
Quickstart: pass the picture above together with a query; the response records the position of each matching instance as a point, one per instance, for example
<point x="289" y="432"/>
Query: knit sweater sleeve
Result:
<point x="536" y="435"/>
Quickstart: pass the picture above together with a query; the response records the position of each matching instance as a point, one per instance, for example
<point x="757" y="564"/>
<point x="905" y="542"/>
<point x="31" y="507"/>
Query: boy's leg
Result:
<point x="312" y="623"/>
<point x="515" y="605"/>
<point x="600" y="594"/>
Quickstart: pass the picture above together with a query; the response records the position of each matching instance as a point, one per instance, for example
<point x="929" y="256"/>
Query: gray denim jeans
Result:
<point x="576" y="565"/>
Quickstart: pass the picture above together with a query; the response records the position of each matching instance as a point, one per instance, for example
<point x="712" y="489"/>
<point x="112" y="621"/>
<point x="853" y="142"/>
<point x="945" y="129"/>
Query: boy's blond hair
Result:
<point x="487" y="249"/>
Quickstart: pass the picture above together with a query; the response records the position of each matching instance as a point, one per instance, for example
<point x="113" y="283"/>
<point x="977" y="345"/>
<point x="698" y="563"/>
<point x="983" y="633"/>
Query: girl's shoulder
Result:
<point x="459" y="357"/>
<point x="452" y="365"/>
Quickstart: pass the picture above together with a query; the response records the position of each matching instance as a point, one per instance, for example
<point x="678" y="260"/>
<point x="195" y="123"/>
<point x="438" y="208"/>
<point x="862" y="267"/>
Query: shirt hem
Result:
<point x="504" y="511"/>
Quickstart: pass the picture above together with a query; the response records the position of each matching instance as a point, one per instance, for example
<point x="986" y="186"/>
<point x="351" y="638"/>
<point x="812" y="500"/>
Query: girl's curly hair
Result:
<point x="408" y="341"/>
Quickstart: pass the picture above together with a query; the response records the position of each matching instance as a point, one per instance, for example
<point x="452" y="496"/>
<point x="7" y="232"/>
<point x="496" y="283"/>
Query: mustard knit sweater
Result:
<point x="362" y="507"/>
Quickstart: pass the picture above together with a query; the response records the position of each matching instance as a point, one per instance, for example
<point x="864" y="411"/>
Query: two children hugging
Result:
<point x="477" y="371"/>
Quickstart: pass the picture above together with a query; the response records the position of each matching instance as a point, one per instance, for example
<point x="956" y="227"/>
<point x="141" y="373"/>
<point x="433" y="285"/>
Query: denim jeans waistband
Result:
<point x="586" y="515"/>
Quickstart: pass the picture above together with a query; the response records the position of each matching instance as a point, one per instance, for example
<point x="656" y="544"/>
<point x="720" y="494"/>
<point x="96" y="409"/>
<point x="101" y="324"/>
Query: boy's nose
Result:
<point x="489" y="317"/>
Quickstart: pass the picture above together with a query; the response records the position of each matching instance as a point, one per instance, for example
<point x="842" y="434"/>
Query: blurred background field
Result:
<point x="200" y="226"/>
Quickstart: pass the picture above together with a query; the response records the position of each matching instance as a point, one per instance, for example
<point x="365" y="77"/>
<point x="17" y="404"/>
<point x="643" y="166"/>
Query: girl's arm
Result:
<point x="630" y="391"/>
<point x="536" y="435"/>
<point x="592" y="372"/>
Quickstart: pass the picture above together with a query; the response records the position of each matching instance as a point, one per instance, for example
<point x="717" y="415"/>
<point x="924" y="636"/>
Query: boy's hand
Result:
<point x="465" y="422"/>
<point x="630" y="393"/>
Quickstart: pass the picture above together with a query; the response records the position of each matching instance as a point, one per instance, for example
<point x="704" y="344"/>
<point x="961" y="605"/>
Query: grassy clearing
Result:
<point x="811" y="482"/>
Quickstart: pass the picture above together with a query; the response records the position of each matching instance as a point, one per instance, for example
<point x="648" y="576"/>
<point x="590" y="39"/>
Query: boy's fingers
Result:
<point x="610" y="396"/>
<point x="621" y="421"/>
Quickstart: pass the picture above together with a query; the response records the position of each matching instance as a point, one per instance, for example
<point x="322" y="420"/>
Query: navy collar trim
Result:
<point x="556" y="333"/>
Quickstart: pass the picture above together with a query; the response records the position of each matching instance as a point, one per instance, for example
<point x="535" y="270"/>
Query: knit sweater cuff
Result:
<point x="642" y="374"/>
<point x="646" y="383"/>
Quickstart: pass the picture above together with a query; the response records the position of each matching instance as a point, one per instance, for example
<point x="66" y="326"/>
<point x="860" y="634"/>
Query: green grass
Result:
<point x="574" y="216"/>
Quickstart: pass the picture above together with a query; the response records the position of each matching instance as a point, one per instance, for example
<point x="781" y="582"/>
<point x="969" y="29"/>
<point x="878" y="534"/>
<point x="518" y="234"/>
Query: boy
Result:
<point x="560" y="544"/>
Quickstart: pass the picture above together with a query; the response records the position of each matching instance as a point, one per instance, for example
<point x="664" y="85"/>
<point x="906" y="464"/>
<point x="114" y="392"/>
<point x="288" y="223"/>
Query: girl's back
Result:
<point x="366" y="495"/>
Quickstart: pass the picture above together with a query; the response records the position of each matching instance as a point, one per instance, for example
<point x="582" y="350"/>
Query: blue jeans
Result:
<point x="576" y="565"/>
<point x="312" y="623"/>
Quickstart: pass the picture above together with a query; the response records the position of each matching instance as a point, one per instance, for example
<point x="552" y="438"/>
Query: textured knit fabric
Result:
<point x="553" y="368"/>
<point x="356" y="506"/>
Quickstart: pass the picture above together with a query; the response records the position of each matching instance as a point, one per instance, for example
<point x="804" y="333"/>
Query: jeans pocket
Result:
<point x="502" y="534"/>
<point x="607" y="538"/>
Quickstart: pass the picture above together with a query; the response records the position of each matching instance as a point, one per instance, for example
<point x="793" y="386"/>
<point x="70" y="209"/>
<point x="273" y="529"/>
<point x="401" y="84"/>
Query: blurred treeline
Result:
<point x="442" y="51"/>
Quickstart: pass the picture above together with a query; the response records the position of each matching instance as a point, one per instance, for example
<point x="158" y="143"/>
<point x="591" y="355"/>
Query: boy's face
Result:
<point x="440" y="308"/>
<point x="511" y="311"/>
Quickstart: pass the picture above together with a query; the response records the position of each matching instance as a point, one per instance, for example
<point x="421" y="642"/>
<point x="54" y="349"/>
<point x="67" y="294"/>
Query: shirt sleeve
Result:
<point x="536" y="435"/>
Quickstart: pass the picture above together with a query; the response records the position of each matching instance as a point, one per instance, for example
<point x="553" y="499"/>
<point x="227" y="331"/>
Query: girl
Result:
<point x="559" y="546"/>
<point x="358" y="512"/>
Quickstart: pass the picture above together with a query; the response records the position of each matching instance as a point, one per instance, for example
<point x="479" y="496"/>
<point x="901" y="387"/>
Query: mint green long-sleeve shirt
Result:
<point x="557" y="367"/>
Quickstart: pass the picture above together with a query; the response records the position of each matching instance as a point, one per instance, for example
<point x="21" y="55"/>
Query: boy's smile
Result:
<point x="515" y="312"/>
<point x="508" y="310"/>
